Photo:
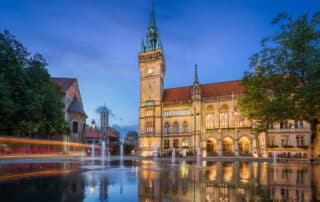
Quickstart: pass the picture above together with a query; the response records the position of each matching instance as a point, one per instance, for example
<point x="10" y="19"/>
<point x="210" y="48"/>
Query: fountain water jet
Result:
<point x="173" y="156"/>
<point x="103" y="152"/>
<point x="108" y="158"/>
<point x="121" y="154"/>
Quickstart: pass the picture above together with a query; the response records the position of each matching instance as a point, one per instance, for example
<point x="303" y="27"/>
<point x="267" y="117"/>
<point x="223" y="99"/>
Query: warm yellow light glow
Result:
<point x="45" y="142"/>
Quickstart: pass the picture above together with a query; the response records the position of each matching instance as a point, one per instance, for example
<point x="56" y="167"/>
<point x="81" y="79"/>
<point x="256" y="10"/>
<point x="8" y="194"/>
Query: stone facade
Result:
<point x="203" y="118"/>
<point x="73" y="111"/>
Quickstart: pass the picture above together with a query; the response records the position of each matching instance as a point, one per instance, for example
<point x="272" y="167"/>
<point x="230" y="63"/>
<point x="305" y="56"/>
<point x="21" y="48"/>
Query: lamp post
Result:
<point x="195" y="114"/>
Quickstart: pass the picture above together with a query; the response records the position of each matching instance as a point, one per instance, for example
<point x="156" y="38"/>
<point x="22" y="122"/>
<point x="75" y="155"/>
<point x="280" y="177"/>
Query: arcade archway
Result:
<point x="227" y="148"/>
<point x="244" y="146"/>
<point x="211" y="147"/>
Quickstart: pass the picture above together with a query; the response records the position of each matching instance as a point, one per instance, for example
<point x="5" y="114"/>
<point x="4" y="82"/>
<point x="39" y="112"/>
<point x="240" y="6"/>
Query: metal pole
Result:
<point x="194" y="131"/>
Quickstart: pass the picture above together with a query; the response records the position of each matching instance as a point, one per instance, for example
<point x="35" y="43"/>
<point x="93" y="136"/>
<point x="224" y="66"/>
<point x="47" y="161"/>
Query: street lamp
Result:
<point x="195" y="127"/>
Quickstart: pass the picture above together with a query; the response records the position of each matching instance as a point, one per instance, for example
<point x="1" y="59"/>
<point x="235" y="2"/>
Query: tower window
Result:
<point x="149" y="127"/>
<point x="75" y="126"/>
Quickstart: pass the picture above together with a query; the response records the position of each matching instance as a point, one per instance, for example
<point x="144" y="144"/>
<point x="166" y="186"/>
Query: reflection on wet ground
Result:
<point x="147" y="180"/>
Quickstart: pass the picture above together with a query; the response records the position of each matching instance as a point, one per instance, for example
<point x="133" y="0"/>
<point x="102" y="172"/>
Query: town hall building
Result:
<point x="202" y="118"/>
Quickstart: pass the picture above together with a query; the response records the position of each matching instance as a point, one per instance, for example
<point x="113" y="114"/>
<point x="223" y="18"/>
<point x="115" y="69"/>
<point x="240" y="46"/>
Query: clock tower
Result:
<point x="152" y="71"/>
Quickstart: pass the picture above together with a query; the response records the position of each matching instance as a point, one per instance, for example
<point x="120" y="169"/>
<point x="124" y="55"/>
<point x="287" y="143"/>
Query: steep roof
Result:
<point x="75" y="106"/>
<point x="91" y="132"/>
<point x="63" y="83"/>
<point x="207" y="90"/>
<point x="177" y="94"/>
<point x="221" y="88"/>
<point x="111" y="133"/>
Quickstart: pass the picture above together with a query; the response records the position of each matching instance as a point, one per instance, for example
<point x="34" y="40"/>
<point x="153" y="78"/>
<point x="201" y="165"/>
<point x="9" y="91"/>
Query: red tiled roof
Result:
<point x="207" y="90"/>
<point x="92" y="133"/>
<point x="177" y="94"/>
<point x="111" y="133"/>
<point x="64" y="83"/>
<point x="221" y="88"/>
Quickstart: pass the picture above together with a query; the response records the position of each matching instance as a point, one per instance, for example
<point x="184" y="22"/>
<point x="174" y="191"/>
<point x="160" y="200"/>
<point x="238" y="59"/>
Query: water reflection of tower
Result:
<point x="104" y="189"/>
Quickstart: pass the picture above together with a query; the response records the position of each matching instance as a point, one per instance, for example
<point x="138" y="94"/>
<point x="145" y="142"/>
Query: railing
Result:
<point x="288" y="130"/>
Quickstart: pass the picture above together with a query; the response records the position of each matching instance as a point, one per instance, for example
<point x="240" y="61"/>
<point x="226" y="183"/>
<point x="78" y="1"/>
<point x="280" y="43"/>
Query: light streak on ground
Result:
<point x="45" y="142"/>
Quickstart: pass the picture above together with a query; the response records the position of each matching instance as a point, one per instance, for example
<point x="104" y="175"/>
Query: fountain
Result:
<point x="121" y="154"/>
<point x="198" y="157"/>
<point x="108" y="158"/>
<point x="92" y="151"/>
<point x="173" y="156"/>
<point x="103" y="152"/>
<point x="155" y="154"/>
<point x="82" y="156"/>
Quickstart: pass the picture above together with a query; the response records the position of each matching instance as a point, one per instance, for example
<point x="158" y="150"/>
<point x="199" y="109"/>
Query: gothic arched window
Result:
<point x="210" y="118"/>
<point x="166" y="128"/>
<point x="224" y="116"/>
<point x="175" y="127"/>
<point x="75" y="126"/>
<point x="185" y="127"/>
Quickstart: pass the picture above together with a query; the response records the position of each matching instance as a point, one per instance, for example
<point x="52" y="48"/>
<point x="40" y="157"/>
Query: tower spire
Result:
<point x="152" y="22"/>
<point x="153" y="40"/>
<point x="196" y="81"/>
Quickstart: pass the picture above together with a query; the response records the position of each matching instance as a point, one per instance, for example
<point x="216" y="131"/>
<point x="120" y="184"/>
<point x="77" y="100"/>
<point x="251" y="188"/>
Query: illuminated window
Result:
<point x="166" y="114"/>
<point x="210" y="121"/>
<point x="300" y="140"/>
<point x="176" y="127"/>
<point x="185" y="143"/>
<point x="149" y="127"/>
<point x="298" y="124"/>
<point x="166" y="128"/>
<point x="185" y="127"/>
<point x="149" y="113"/>
<point x="238" y="120"/>
<point x="75" y="126"/>
<point x="224" y="119"/>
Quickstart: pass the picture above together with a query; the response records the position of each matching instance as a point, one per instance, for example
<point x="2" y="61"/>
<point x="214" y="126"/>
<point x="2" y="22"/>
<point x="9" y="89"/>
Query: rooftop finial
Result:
<point x="196" y="81"/>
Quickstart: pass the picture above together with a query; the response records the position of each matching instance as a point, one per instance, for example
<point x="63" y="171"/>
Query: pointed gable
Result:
<point x="63" y="83"/>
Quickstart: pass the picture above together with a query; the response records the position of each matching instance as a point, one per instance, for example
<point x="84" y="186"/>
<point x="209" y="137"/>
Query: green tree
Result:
<point x="286" y="81"/>
<point x="131" y="138"/>
<point x="29" y="102"/>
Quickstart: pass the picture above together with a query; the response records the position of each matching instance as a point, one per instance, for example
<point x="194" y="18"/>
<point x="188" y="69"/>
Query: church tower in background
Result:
<point x="104" y="119"/>
<point x="152" y="72"/>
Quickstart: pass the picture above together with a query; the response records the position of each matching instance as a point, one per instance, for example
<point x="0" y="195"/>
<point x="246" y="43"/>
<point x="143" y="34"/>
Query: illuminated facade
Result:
<point x="203" y="118"/>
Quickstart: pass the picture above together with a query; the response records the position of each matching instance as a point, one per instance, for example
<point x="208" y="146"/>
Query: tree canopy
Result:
<point x="131" y="137"/>
<point x="29" y="102"/>
<point x="285" y="83"/>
